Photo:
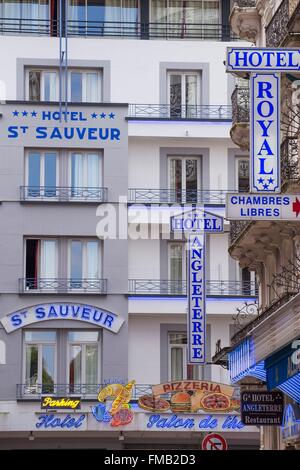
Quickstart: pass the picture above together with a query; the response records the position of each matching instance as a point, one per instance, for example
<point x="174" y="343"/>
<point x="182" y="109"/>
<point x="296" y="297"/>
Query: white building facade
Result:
<point x="134" y="121"/>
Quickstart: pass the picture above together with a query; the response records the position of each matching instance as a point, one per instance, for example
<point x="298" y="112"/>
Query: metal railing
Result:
<point x="85" y="391"/>
<point x="174" y="287"/>
<point x="237" y="227"/>
<point x="172" y="196"/>
<point x="240" y="105"/>
<point x="63" y="194"/>
<point x="64" y="285"/>
<point x="245" y="3"/>
<point x="125" y="29"/>
<point x="218" y="112"/>
<point x="277" y="29"/>
<point x="290" y="163"/>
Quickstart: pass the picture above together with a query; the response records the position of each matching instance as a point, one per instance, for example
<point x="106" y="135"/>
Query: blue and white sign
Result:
<point x="62" y="311"/>
<point x="265" y="133"/>
<point x="174" y="422"/>
<point x="252" y="59"/>
<point x="291" y="423"/>
<point x="242" y="206"/>
<point x="52" y="421"/>
<point x="197" y="220"/>
<point x="196" y="299"/>
<point x="44" y="125"/>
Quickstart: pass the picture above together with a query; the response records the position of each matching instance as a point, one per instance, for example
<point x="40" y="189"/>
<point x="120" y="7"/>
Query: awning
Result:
<point x="242" y="362"/>
<point x="283" y="371"/>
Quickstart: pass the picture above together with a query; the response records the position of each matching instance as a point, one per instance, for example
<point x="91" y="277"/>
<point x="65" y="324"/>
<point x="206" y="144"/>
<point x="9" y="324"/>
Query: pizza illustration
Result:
<point x="122" y="417"/>
<point x="152" y="403"/>
<point x="215" y="401"/>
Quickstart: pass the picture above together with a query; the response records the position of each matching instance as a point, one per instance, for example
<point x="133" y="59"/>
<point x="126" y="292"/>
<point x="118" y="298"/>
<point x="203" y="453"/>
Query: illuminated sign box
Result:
<point x="60" y="403"/>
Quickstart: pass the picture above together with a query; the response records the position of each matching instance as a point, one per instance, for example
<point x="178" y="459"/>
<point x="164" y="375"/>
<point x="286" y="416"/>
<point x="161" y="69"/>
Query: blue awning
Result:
<point x="242" y="362"/>
<point x="291" y="387"/>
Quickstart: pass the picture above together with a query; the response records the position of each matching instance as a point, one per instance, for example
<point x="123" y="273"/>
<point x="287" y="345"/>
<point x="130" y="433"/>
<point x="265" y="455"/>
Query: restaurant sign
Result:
<point x="261" y="408"/>
<point x="62" y="311"/>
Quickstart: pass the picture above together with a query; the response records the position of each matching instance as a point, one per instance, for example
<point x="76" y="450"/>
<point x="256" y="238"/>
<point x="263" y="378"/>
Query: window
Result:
<point x="187" y="18"/>
<point x="85" y="262"/>
<point x="242" y="174"/>
<point x="40" y="361"/>
<point x="41" y="170"/>
<point x="183" y="94"/>
<point x="84" y="361"/>
<point x="178" y="368"/>
<point x="98" y="17"/>
<point x="84" y="86"/>
<point x="40" y="263"/>
<point x="33" y="13"/>
<point x="177" y="266"/>
<point x="184" y="178"/>
<point x="248" y="281"/>
<point x="86" y="172"/>
<point x="42" y="85"/>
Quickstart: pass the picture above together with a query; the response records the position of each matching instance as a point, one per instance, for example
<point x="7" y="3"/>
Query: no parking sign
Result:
<point x="214" y="442"/>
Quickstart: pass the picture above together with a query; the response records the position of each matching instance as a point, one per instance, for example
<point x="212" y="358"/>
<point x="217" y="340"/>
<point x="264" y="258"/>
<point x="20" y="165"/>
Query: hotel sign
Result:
<point x="252" y="59"/>
<point x="62" y="311"/>
<point x="262" y="408"/>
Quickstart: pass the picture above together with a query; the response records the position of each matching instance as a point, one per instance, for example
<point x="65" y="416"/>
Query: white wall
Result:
<point x="143" y="259"/>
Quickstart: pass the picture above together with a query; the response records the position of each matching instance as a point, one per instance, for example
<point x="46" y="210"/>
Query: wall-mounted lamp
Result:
<point x="31" y="436"/>
<point x="121" y="436"/>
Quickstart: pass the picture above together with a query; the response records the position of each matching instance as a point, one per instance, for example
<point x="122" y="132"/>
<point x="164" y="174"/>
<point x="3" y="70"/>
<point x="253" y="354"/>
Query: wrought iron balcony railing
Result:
<point x="172" y="196"/>
<point x="290" y="163"/>
<point x="241" y="105"/>
<point x="245" y="3"/>
<point x="237" y="227"/>
<point x="277" y="29"/>
<point x="64" y="286"/>
<point x="174" y="287"/>
<point x="62" y="194"/>
<point x="125" y="29"/>
<point x="34" y="391"/>
<point x="217" y="112"/>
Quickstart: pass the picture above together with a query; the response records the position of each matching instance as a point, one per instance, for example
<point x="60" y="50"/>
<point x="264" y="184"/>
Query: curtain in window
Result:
<point x="159" y="11"/>
<point x="50" y="174"/>
<point x="76" y="87"/>
<point x="176" y="363"/>
<point x="34" y="85"/>
<point x="48" y="357"/>
<point x="92" y="249"/>
<point x="176" y="179"/>
<point x="75" y="367"/>
<point x="77" y="17"/>
<point x="93" y="171"/>
<point x="92" y="87"/>
<point x="50" y="86"/>
<point x="34" y="174"/>
<point x="76" y="173"/>
<point x="31" y="369"/>
<point x="91" y="366"/>
<point x="76" y="264"/>
<point x="130" y="10"/>
<point x="191" y="95"/>
<point x="176" y="252"/>
<point x="191" y="178"/>
<point x="49" y="260"/>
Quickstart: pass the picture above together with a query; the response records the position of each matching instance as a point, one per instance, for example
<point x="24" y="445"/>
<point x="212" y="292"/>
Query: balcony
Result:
<point x="168" y="112"/>
<point x="178" y="288"/>
<point x="85" y="391"/>
<point x="240" y="117"/>
<point x="290" y="164"/>
<point x="283" y="29"/>
<point x="237" y="229"/>
<point x="121" y="29"/>
<point x="62" y="194"/>
<point x="172" y="196"/>
<point x="245" y="20"/>
<point x="62" y="286"/>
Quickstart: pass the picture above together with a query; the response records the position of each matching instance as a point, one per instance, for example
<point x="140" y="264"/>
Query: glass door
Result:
<point x="84" y="362"/>
<point x="184" y="94"/>
<point x="40" y="361"/>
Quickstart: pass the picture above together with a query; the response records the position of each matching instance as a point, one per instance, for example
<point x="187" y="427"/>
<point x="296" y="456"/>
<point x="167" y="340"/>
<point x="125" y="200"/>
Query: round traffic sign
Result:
<point x="214" y="442"/>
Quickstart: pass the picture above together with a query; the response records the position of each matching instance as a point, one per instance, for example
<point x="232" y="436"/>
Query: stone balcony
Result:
<point x="283" y="29"/>
<point x="240" y="117"/>
<point x="245" y="20"/>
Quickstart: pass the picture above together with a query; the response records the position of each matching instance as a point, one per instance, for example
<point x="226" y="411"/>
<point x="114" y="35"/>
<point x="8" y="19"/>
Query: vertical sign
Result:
<point x="196" y="298"/>
<point x="265" y="133"/>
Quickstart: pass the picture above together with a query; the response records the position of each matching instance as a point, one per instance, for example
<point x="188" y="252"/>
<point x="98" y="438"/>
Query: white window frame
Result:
<point x="41" y="266"/>
<point x="83" y="362"/>
<point x="85" y="170"/>
<point x="183" y="75"/>
<point x="39" y="344"/>
<point x="84" y="73"/>
<point x="42" y="72"/>
<point x="42" y="168"/>
<point x="184" y="259"/>
<point x="237" y="160"/>
<point x="84" y="242"/>
<point x="184" y="356"/>
<point x="183" y="159"/>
